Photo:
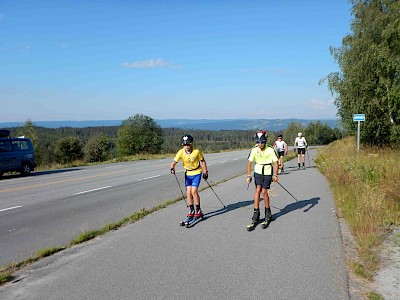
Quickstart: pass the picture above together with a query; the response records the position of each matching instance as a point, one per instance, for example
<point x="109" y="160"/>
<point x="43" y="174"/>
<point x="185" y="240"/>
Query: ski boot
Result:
<point x="198" y="214"/>
<point x="268" y="218"/>
<point x="255" y="219"/>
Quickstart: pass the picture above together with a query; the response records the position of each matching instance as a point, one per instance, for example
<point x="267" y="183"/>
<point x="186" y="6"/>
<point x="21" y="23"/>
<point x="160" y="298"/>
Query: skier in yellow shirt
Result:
<point x="194" y="165"/>
<point x="265" y="171"/>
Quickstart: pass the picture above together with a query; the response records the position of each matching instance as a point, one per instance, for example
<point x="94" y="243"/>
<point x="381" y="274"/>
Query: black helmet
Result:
<point x="187" y="140"/>
<point x="261" y="136"/>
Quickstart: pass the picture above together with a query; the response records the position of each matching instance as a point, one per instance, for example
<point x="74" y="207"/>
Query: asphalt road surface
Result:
<point x="51" y="208"/>
<point x="299" y="256"/>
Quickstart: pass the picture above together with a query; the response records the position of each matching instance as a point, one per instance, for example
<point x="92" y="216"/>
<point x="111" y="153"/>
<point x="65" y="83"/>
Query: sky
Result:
<point x="109" y="60"/>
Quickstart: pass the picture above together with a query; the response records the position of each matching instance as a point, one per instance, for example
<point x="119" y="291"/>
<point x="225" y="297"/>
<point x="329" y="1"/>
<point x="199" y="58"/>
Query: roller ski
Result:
<point x="193" y="222"/>
<point x="268" y="218"/>
<point x="192" y="219"/>
<point x="255" y="220"/>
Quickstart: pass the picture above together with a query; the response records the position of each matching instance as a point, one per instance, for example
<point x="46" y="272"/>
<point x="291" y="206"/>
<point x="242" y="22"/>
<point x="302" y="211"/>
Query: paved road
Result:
<point x="51" y="208"/>
<point x="299" y="256"/>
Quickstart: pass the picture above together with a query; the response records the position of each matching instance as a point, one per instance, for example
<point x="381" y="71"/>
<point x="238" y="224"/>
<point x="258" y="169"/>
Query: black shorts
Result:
<point x="263" y="180"/>
<point x="301" y="150"/>
<point x="281" y="153"/>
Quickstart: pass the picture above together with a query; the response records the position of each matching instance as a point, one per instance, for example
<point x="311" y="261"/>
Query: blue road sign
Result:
<point x="359" y="117"/>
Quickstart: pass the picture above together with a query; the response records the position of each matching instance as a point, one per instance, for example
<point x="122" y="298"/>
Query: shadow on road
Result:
<point x="228" y="208"/>
<point x="38" y="173"/>
<point x="295" y="206"/>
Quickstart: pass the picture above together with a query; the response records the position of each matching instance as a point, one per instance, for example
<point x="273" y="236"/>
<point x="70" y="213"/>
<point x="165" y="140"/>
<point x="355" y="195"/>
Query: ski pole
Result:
<point x="183" y="196"/>
<point x="287" y="191"/>
<point x="215" y="193"/>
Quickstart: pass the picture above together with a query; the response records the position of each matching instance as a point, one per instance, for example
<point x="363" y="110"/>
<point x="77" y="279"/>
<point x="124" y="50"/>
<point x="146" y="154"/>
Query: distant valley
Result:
<point x="203" y="124"/>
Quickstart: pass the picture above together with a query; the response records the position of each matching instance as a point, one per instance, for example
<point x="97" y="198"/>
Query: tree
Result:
<point x="139" y="134"/>
<point x="290" y="133"/>
<point x="97" y="148"/>
<point x="369" y="81"/>
<point x="319" y="134"/>
<point x="68" y="149"/>
<point x="29" y="131"/>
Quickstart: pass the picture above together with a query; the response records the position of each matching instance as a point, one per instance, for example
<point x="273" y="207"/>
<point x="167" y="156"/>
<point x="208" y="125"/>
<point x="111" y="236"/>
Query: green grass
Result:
<point x="5" y="276"/>
<point x="365" y="187"/>
<point x="374" y="296"/>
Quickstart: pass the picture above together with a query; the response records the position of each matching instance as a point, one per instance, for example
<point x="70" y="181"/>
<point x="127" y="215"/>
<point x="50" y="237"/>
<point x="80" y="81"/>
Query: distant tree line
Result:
<point x="140" y="134"/>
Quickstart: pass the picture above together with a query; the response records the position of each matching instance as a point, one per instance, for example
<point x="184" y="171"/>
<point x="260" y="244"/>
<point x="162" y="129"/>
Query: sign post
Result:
<point x="359" y="118"/>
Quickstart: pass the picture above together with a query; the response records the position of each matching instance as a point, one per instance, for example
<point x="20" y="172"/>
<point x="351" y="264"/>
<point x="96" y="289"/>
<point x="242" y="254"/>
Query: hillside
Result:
<point x="203" y="124"/>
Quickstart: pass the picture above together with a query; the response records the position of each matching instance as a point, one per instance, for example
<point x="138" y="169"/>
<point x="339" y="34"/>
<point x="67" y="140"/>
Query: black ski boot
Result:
<point x="268" y="218"/>
<point x="254" y="220"/>
<point x="256" y="215"/>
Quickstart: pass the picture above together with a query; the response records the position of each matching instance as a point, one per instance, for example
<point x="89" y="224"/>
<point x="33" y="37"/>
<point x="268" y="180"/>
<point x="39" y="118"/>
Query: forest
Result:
<point x="142" y="135"/>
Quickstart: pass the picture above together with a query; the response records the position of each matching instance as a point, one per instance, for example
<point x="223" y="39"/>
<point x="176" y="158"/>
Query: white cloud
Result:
<point x="320" y="104"/>
<point x="2" y="16"/>
<point x="149" y="64"/>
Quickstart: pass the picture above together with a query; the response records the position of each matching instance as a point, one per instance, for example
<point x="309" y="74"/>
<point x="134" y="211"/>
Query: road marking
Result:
<point x="101" y="188"/>
<point x="62" y="181"/>
<point x="149" y="177"/>
<point x="113" y="167"/>
<point x="14" y="207"/>
<point x="222" y="162"/>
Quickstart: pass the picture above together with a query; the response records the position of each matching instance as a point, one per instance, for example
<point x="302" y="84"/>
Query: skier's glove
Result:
<point x="172" y="171"/>
<point x="205" y="175"/>
<point x="248" y="179"/>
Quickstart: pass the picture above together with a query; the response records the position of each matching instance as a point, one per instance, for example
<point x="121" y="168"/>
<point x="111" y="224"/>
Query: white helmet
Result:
<point x="299" y="134"/>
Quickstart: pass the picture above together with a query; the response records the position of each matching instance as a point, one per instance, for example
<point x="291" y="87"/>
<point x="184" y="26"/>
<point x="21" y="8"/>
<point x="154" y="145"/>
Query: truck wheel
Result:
<point x="26" y="169"/>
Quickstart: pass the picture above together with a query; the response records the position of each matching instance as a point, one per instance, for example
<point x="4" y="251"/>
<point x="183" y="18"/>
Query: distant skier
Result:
<point x="300" y="144"/>
<point x="194" y="165"/>
<point x="265" y="171"/>
<point x="282" y="149"/>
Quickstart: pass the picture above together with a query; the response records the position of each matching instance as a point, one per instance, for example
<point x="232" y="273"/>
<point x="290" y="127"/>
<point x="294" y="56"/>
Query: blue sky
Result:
<point x="109" y="60"/>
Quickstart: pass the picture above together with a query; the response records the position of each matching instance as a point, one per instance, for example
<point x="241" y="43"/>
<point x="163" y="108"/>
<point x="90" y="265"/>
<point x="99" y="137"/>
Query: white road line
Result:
<point x="102" y="188"/>
<point x="113" y="167"/>
<point x="222" y="162"/>
<point x="149" y="177"/>
<point x="14" y="207"/>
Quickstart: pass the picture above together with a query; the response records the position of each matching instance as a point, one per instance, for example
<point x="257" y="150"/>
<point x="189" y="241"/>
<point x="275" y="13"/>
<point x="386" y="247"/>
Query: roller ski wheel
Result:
<point x="186" y="221"/>
<point x="192" y="222"/>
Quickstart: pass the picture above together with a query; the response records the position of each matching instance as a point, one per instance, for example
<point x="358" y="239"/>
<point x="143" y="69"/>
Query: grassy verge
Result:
<point x="366" y="190"/>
